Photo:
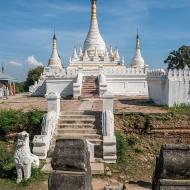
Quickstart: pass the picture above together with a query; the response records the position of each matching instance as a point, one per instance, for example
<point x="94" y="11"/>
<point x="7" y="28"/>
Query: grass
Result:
<point x="183" y="109"/>
<point x="8" y="172"/>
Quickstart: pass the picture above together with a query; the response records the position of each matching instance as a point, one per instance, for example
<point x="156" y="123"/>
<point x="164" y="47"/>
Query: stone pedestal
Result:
<point x="71" y="165"/>
<point x="172" y="168"/>
<point x="169" y="184"/>
<point x="109" y="149"/>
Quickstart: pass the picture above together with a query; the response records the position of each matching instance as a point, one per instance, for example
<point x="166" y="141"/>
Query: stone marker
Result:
<point x="71" y="166"/>
<point x="172" y="168"/>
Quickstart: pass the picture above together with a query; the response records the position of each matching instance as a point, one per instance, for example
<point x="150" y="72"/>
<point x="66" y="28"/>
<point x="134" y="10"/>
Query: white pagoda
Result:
<point x="96" y="64"/>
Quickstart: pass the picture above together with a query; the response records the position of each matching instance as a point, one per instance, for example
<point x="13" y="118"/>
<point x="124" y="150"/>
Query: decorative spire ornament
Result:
<point x="75" y="55"/>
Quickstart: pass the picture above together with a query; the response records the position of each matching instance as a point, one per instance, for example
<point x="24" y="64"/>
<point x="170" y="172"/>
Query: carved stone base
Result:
<point x="109" y="149"/>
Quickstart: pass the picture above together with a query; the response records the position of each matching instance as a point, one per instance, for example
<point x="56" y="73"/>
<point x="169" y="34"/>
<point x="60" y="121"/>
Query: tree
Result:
<point x="33" y="75"/>
<point x="179" y="59"/>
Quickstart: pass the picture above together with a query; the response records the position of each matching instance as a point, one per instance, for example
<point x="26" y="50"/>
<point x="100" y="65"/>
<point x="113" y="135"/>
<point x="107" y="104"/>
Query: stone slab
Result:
<point x="97" y="168"/>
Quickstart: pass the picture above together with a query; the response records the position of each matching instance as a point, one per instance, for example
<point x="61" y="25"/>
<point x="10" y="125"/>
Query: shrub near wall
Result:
<point x="14" y="121"/>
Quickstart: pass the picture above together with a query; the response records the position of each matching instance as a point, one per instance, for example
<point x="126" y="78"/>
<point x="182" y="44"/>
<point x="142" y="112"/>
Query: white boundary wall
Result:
<point x="118" y="80"/>
<point x="169" y="87"/>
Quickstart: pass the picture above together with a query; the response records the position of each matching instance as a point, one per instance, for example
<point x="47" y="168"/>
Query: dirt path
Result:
<point x="136" y="104"/>
<point x="121" y="104"/>
<point x="98" y="184"/>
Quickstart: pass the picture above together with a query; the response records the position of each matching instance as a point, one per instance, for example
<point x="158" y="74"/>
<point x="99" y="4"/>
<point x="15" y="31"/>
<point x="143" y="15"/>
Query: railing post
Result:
<point x="109" y="139"/>
<point x="53" y="100"/>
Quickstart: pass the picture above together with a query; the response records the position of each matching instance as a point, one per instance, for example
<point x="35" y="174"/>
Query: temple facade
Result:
<point x="93" y="69"/>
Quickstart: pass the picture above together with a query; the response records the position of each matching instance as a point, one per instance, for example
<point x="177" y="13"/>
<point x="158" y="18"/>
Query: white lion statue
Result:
<point x="23" y="158"/>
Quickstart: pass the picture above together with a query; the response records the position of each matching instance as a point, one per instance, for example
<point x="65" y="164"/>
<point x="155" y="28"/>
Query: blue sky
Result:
<point x="26" y="29"/>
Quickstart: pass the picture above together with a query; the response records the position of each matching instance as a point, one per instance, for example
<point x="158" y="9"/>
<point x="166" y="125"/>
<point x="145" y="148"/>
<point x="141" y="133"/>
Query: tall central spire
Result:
<point x="94" y="40"/>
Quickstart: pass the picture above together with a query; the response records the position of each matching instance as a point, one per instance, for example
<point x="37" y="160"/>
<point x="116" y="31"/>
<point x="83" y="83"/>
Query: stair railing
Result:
<point x="77" y="86"/>
<point x="103" y="86"/>
<point x="41" y="143"/>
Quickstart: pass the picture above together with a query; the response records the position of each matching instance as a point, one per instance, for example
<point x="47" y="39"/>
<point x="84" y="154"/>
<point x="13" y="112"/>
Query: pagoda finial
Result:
<point x="2" y="68"/>
<point x="93" y="9"/>
<point x="138" y="41"/>
<point x="54" y="41"/>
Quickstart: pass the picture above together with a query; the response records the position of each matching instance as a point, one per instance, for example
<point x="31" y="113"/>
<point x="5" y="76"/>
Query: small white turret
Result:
<point x="106" y="56"/>
<point x="137" y="61"/>
<point x="117" y="56"/>
<point x="80" y="52"/>
<point x="54" y="60"/>
<point x="86" y="57"/>
<point x="75" y="56"/>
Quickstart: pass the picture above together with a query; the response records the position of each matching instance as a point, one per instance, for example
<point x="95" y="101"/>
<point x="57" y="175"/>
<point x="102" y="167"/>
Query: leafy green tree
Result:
<point x="179" y="59"/>
<point x="20" y="87"/>
<point x="33" y="75"/>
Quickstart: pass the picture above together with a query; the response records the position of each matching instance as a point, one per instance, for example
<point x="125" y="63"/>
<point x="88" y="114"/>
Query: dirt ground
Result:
<point x="121" y="104"/>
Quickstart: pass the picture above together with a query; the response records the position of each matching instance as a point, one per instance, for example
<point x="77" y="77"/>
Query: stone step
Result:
<point x="77" y="121"/>
<point x="77" y="116"/>
<point x="74" y="125"/>
<point x="77" y="113"/>
<point x="77" y="135"/>
<point x="170" y="131"/>
<point x="90" y="96"/>
<point x="96" y="168"/>
<point x="89" y="90"/>
<point x="96" y="141"/>
<point x="76" y="131"/>
<point x="88" y="85"/>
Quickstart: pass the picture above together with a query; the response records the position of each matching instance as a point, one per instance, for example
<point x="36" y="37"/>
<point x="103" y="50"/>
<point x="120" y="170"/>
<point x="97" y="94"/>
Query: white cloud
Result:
<point x="31" y="60"/>
<point x="15" y="63"/>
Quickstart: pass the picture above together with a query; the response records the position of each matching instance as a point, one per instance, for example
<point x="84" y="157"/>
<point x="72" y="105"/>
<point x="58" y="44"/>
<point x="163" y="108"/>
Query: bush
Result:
<point x="121" y="147"/>
<point x="20" y="87"/>
<point x="14" y="121"/>
<point x="7" y="168"/>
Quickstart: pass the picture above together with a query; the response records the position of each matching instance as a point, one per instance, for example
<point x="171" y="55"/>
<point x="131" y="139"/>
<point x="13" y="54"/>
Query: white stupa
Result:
<point x="137" y="61"/>
<point x="94" y="40"/>
<point x="54" y="60"/>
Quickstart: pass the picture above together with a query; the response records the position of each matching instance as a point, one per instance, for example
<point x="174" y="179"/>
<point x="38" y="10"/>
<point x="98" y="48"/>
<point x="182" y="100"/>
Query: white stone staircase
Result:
<point x="89" y="87"/>
<point x="81" y="124"/>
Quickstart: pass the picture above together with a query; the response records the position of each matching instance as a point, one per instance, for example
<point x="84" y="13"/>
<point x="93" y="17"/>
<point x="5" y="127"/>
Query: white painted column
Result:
<point x="109" y="139"/>
<point x="53" y="100"/>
